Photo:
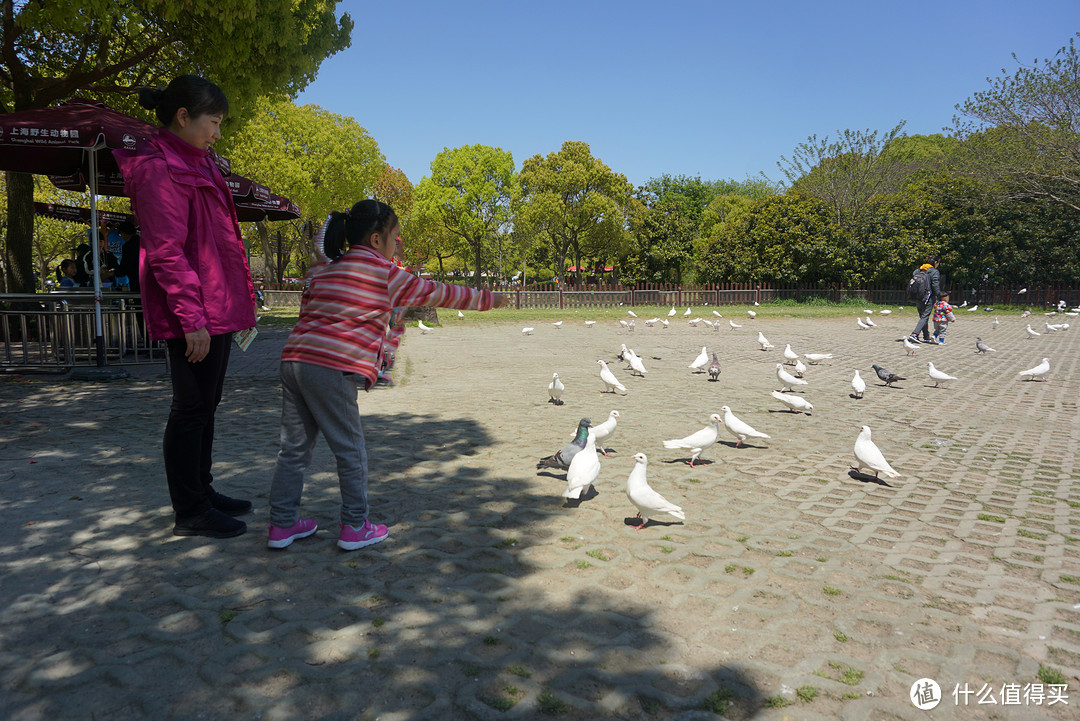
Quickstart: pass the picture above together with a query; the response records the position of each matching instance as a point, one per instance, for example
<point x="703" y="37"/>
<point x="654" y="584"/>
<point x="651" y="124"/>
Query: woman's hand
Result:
<point x="198" y="345"/>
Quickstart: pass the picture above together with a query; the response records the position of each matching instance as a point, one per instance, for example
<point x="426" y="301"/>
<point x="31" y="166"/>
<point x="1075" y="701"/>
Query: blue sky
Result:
<point x="715" y="89"/>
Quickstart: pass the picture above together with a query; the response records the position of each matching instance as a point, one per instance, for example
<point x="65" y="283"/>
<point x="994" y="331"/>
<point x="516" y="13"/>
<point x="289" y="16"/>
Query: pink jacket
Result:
<point x="193" y="269"/>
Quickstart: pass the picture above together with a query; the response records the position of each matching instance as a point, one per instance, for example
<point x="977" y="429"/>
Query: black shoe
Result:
<point x="229" y="506"/>
<point x="914" y="339"/>
<point x="212" y="523"/>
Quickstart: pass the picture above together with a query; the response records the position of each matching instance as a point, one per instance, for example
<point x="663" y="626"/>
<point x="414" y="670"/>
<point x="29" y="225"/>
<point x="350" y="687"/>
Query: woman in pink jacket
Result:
<point x="195" y="285"/>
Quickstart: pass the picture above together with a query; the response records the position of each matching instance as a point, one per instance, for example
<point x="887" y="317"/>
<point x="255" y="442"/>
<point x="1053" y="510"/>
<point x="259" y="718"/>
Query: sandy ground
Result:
<point x="794" y="590"/>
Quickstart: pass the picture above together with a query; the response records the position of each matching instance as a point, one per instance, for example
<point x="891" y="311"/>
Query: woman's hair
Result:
<point x="198" y="95"/>
<point x="62" y="267"/>
<point x="356" y="226"/>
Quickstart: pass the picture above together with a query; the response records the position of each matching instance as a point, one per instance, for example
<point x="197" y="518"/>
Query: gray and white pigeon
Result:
<point x="562" y="458"/>
<point x="868" y="455"/>
<point x="886" y="376"/>
<point x="714" y="368"/>
<point x="555" y="390"/>
<point x="606" y="430"/>
<point x="1039" y="370"/>
<point x="648" y="502"/>
<point x="583" y="470"/>
<point x="609" y="379"/>
<point x="698" y="441"/>
<point x="939" y="377"/>
<point x="981" y="347"/>
<point x="739" y="428"/>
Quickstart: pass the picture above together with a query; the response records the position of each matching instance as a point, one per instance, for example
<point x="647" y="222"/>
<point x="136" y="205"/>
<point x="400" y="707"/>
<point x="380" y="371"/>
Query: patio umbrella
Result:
<point x="73" y="214"/>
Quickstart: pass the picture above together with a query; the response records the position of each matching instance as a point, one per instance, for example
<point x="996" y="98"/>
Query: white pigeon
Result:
<point x="631" y="313"/>
<point x="816" y="357"/>
<point x="557" y="324"/>
<point x="623" y="323"/>
<point x="1026" y="313"/>
<point x="701" y="361"/>
<point x="764" y="342"/>
<point x="790" y="354"/>
<point x="733" y="324"/>
<point x="698" y="441"/>
<point x="590" y="323"/>
<point x="717" y="314"/>
<point x="996" y="323"/>
<point x="869" y="322"/>
<point x="606" y="430"/>
<point x="885" y="312"/>
<point x="911" y="347"/>
<point x="787" y="379"/>
<point x="527" y="331"/>
<point x="460" y="314"/>
<point x="1021" y="291"/>
<point x="630" y="326"/>
<point x="648" y="502"/>
<point x="687" y="313"/>
<point x="981" y="347"/>
<point x="973" y="308"/>
<point x="708" y="322"/>
<point x="862" y="326"/>
<point x="664" y="322"/>
<point x="1032" y="333"/>
<point x="636" y="364"/>
<point x="1051" y="314"/>
<point x="423" y="328"/>
<point x="868" y="312"/>
<point x="1039" y="370"/>
<point x="939" y="376"/>
<point x="651" y="322"/>
<point x="671" y="313"/>
<point x="751" y="313"/>
<point x="694" y="322"/>
<point x="609" y="379"/>
<point x="858" y="385"/>
<point x="962" y="305"/>
<point x="1052" y="327"/>
<point x="739" y="428"/>
<point x="867" y="455"/>
<point x="792" y="401"/>
<point x="1063" y="326"/>
<point x="799" y="369"/>
<point x="555" y="389"/>
<point x="584" y="469"/>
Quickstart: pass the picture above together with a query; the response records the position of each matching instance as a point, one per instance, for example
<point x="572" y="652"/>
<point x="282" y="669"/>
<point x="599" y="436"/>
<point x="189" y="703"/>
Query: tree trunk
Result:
<point x="264" y="244"/>
<point x="18" y="251"/>
<point x="477" y="280"/>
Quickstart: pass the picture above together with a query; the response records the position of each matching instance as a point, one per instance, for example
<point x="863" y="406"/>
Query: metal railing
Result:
<point x="57" y="330"/>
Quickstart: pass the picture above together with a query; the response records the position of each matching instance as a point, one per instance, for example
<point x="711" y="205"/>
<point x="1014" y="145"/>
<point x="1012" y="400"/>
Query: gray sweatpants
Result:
<point x="315" y="399"/>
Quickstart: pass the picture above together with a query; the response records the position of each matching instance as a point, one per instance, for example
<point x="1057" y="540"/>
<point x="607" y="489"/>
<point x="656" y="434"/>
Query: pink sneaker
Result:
<point x="352" y="537"/>
<point x="281" y="537"/>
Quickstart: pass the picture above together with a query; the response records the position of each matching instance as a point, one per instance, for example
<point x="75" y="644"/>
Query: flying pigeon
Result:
<point x="981" y="347"/>
<point x="700" y="361"/>
<point x="885" y="312"/>
<point x="1032" y="333"/>
<point x="562" y="458"/>
<point x="886" y="376"/>
<point x="583" y="469"/>
<point x="606" y="430"/>
<point x="790" y="354"/>
<point x="939" y="376"/>
<point x="698" y="441"/>
<point x="1039" y="370"/>
<point x="527" y="331"/>
<point x="631" y="313"/>
<point x="555" y="389"/>
<point x="671" y="313"/>
<point x="867" y="455"/>
<point x="799" y="369"/>
<point x="816" y="357"/>
<point x="911" y="347"/>
<point x="649" y="503"/>
<point x="787" y="379"/>
<point x="764" y="342"/>
<point x="751" y="313"/>
<point x="796" y="403"/>
<point x="738" y="428"/>
<point x="733" y="324"/>
<point x="858" y="385"/>
<point x="423" y="328"/>
<point x="687" y="313"/>
<point x="973" y="308"/>
<point x="714" y="368"/>
<point x="609" y="379"/>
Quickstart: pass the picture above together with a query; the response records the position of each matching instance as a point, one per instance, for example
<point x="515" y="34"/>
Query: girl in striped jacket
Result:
<point x="336" y="347"/>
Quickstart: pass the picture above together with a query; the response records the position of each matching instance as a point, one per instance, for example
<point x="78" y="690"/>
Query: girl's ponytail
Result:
<point x="342" y="230"/>
<point x="332" y="239"/>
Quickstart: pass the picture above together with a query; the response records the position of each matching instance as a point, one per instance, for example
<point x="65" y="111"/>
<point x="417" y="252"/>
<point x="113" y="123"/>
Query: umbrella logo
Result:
<point x="129" y="141"/>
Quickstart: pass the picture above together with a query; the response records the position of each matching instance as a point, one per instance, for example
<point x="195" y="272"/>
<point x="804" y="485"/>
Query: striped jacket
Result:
<point x="346" y="308"/>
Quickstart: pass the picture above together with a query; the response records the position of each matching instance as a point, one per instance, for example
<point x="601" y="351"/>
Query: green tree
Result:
<point x="1024" y="131"/>
<point x="53" y="51"/>
<point x="468" y="194"/>
<point x="574" y="202"/>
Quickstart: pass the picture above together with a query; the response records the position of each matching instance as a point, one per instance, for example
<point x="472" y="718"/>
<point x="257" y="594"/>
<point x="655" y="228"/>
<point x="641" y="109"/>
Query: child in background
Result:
<point x="337" y="344"/>
<point x="943" y="315"/>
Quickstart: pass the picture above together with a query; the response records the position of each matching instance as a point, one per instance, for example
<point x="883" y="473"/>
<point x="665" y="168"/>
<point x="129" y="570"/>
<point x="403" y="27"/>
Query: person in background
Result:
<point x="926" y="305"/>
<point x="943" y="315"/>
<point x="82" y="274"/>
<point x="66" y="273"/>
<point x="107" y="263"/>
<point x="129" y="255"/>
<point x="195" y="286"/>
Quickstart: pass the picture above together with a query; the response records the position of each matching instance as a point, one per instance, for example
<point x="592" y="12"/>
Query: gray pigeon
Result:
<point x="981" y="347"/>
<point x="561" y="460"/>
<point x="714" y="368"/>
<point x="886" y="376"/>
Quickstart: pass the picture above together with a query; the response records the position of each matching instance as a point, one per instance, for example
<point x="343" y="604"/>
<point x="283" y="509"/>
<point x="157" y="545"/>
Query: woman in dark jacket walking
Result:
<point x="926" y="305"/>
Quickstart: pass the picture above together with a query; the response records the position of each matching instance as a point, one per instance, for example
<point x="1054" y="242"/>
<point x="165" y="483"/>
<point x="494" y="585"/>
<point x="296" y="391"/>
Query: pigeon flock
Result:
<point x="580" y="458"/>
